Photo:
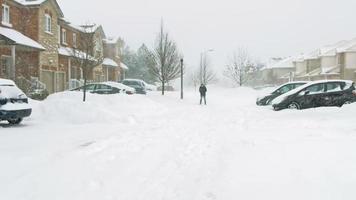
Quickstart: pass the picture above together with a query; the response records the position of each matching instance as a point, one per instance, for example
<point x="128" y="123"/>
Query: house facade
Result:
<point x="279" y="71"/>
<point x="336" y="61"/>
<point x="37" y="43"/>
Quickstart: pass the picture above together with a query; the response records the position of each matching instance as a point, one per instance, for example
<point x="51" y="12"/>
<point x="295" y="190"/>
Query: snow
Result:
<point x="110" y="62"/>
<point x="123" y="66"/>
<point x="66" y="51"/>
<point x="19" y="38"/>
<point x="6" y="82"/>
<point x="120" y="86"/>
<point x="285" y="63"/>
<point x="30" y="2"/>
<point x="149" y="147"/>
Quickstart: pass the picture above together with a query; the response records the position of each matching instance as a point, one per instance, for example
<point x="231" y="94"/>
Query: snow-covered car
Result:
<point x="138" y="84"/>
<point x="150" y="87"/>
<point x="106" y="88"/>
<point x="13" y="103"/>
<point x="317" y="94"/>
<point x="267" y="99"/>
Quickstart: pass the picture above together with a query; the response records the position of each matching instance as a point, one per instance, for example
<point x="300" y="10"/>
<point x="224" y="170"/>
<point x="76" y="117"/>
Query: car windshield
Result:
<point x="131" y="83"/>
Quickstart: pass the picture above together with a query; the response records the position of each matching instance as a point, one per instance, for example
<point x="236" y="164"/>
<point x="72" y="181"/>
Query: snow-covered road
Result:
<point x="161" y="148"/>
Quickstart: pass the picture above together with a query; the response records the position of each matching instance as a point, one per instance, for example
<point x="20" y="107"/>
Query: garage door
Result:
<point x="47" y="77"/>
<point x="60" y="81"/>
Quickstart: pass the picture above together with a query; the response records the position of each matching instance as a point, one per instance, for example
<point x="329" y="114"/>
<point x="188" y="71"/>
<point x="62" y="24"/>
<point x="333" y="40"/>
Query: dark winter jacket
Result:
<point x="202" y="90"/>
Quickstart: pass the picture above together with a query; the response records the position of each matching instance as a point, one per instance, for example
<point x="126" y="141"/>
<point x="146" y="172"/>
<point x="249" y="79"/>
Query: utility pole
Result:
<point x="181" y="78"/>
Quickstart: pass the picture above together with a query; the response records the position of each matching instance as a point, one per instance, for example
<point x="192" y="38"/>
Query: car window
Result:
<point x="102" y="87"/>
<point x="90" y="87"/>
<point x="315" y="89"/>
<point x="130" y="83"/>
<point x="349" y="85"/>
<point x="298" y="85"/>
<point x="334" y="87"/>
<point x="285" y="89"/>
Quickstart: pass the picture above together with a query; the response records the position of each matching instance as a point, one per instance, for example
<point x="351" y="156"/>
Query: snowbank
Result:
<point x="67" y="107"/>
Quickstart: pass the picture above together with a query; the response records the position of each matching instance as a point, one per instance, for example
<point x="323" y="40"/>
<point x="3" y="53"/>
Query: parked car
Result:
<point x="139" y="85"/>
<point x="106" y="88"/>
<point x="13" y="103"/>
<point x="267" y="99"/>
<point x="150" y="87"/>
<point x="317" y="94"/>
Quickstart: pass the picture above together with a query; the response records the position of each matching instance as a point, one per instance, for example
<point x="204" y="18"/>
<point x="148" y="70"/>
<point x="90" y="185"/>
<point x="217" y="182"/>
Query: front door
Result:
<point x="5" y="67"/>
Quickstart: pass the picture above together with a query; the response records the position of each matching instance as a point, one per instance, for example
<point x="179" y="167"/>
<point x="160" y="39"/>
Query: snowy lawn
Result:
<point x="161" y="148"/>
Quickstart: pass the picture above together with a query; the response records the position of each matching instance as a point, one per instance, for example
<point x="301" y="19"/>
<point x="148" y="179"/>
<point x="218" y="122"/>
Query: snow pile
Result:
<point x="160" y="147"/>
<point x="67" y="107"/>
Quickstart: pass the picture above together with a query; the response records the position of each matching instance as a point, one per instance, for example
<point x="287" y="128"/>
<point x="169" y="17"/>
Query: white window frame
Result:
<point x="64" y="36"/>
<point x="74" y="40"/>
<point x="6" y="15"/>
<point x="48" y="24"/>
<point x="59" y="33"/>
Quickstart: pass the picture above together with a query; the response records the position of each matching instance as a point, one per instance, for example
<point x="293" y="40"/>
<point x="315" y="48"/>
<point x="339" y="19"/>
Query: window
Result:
<point x="48" y="25"/>
<point x="59" y="34"/>
<point x="5" y="14"/>
<point x="64" y="36"/>
<point x="74" y="40"/>
<point x="315" y="89"/>
<point x="285" y="89"/>
<point x="333" y="87"/>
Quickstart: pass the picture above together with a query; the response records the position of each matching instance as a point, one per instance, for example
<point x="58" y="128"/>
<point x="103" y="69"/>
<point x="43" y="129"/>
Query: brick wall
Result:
<point x="23" y="19"/>
<point x="48" y="58"/>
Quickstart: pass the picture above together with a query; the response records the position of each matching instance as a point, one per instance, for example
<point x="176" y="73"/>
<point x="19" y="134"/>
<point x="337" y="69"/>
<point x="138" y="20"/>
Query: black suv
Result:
<point x="317" y="94"/>
<point x="267" y="99"/>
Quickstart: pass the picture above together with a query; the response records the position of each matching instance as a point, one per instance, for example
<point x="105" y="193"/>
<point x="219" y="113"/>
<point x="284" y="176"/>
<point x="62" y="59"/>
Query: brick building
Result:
<point x="36" y="47"/>
<point x="112" y="54"/>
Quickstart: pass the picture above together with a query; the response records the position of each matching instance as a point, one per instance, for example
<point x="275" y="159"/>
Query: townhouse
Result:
<point x="37" y="45"/>
<point x="336" y="61"/>
<point x="278" y="71"/>
<point x="112" y="61"/>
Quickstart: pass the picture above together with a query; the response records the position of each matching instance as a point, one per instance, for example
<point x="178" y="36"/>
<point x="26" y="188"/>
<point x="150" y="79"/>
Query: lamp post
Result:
<point x="181" y="78"/>
<point x="202" y="55"/>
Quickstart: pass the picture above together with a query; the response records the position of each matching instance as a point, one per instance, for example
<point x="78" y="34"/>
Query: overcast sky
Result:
<point x="267" y="28"/>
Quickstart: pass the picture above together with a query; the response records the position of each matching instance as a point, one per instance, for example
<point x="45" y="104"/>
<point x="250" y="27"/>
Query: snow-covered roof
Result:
<point x="20" y="39"/>
<point x="283" y="64"/>
<point x="30" y="2"/>
<point x="110" y="62"/>
<point x="123" y="66"/>
<point x="39" y="2"/>
<point x="66" y="51"/>
<point x="110" y="40"/>
<point x="331" y="50"/>
<point x="312" y="55"/>
<point x="349" y="46"/>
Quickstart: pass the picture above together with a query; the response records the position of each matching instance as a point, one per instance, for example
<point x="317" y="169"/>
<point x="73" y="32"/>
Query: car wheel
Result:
<point x="15" y="121"/>
<point x="294" y="106"/>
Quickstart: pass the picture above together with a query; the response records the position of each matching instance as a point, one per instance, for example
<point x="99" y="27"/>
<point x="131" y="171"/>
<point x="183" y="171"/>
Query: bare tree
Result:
<point x="238" y="68"/>
<point x="205" y="73"/>
<point x="86" y="54"/>
<point x="166" y="58"/>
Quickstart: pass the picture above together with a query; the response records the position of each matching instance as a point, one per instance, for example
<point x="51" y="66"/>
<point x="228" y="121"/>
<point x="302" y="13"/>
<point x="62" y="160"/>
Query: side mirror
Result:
<point x="303" y="93"/>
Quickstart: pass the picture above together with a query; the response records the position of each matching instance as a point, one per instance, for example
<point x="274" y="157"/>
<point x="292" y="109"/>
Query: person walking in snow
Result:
<point x="202" y="90"/>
